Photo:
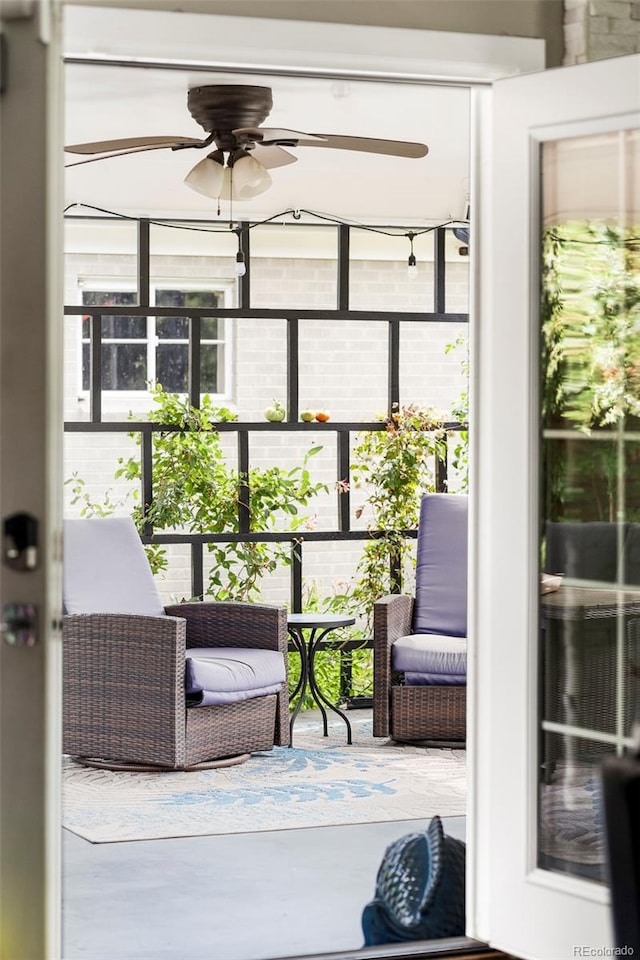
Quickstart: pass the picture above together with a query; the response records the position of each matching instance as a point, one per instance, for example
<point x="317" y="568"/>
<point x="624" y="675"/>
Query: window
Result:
<point x="138" y="350"/>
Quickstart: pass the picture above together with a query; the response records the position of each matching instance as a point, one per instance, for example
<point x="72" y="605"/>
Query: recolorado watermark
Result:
<point x="603" y="951"/>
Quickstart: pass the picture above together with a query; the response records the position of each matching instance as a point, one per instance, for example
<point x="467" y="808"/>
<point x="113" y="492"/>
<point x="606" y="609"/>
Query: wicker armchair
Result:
<point x="189" y="685"/>
<point x="419" y="643"/>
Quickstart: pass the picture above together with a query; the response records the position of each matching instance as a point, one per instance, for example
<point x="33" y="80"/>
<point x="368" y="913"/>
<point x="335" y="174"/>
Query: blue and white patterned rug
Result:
<point x="318" y="782"/>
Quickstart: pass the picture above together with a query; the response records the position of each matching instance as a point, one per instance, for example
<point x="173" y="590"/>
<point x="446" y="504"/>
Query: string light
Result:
<point x="241" y="267"/>
<point x="296" y="214"/>
<point x="412" y="268"/>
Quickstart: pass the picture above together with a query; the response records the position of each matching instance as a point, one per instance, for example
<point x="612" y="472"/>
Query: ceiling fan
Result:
<point x="244" y="151"/>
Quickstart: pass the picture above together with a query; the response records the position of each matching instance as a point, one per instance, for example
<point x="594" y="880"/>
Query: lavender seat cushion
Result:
<point x="435" y="679"/>
<point x="423" y="658"/>
<point x="220" y="675"/>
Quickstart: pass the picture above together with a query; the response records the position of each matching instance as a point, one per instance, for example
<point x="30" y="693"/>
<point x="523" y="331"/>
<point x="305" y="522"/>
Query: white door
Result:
<point x="30" y="321"/>
<point x="555" y="489"/>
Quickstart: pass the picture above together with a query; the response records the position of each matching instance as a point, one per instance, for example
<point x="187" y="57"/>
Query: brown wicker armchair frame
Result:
<point x="124" y="695"/>
<point x="421" y="713"/>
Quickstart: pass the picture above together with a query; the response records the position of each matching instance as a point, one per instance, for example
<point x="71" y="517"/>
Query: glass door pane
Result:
<point x="589" y="495"/>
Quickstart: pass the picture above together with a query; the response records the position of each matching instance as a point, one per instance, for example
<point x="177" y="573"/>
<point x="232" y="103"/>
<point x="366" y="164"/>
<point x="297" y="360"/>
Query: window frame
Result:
<point x="116" y="401"/>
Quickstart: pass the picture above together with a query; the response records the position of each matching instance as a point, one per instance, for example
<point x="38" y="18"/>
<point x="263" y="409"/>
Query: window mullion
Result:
<point x="194" y="367"/>
<point x="152" y="345"/>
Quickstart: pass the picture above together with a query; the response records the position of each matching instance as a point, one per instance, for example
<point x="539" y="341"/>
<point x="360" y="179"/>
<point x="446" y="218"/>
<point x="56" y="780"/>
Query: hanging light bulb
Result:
<point x="207" y="177"/>
<point x="241" y="267"/>
<point x="412" y="268"/>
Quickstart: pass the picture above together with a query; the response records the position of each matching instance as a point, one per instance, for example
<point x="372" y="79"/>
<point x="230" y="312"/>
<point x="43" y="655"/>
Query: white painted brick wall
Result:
<point x="343" y="368"/>
<point x="597" y="29"/>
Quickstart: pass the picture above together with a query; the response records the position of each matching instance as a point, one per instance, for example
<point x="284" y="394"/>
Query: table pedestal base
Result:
<point x="319" y="627"/>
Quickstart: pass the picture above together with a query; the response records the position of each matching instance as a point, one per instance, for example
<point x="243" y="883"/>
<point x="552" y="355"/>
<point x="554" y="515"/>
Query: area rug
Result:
<point x="318" y="782"/>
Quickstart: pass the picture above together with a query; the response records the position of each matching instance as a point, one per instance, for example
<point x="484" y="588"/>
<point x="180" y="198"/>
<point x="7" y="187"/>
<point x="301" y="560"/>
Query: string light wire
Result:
<point x="294" y="213"/>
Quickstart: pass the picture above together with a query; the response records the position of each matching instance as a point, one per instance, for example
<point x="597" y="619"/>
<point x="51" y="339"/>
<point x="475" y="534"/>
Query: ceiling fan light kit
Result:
<point x="207" y="176"/>
<point x="247" y="176"/>
<point x="243" y="176"/>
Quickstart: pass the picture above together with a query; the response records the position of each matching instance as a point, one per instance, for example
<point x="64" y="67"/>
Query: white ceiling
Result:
<point x="109" y="101"/>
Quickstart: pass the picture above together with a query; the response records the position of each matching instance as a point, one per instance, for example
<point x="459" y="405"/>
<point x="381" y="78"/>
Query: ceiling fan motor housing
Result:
<point x="222" y="108"/>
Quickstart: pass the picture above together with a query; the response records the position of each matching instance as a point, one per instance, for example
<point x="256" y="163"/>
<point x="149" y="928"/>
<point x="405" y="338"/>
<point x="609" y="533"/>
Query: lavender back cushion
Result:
<point x="441" y="571"/>
<point x="106" y="569"/>
<point x="587" y="551"/>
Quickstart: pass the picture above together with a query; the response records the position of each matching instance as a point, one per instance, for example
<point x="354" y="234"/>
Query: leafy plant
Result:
<point x="591" y="321"/>
<point x="459" y="453"/>
<point x="590" y="348"/>
<point x="397" y="465"/>
<point x="196" y="491"/>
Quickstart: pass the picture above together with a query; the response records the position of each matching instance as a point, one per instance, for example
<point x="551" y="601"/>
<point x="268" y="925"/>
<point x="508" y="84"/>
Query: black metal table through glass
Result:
<point x="319" y="626"/>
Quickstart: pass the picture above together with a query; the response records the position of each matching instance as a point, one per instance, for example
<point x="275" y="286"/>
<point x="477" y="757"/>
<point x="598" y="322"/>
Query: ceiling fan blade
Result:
<point x="129" y="143"/>
<point x="295" y="138"/>
<point x="272" y="156"/>
<point x="120" y="153"/>
<point x="391" y="148"/>
<point x="274" y="135"/>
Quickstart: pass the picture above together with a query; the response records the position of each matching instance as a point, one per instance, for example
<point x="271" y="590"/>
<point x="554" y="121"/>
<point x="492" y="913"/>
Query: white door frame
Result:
<point x="246" y="44"/>
<point x="31" y="474"/>
<point x="131" y="36"/>
<point x="530" y="912"/>
<point x="314" y="49"/>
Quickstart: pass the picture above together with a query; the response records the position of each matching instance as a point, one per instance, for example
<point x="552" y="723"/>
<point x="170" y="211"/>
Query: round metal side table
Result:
<point x="319" y="626"/>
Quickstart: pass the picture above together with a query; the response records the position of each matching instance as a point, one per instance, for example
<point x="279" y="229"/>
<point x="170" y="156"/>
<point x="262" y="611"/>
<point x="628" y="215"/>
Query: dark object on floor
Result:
<point x="420" y="889"/>
<point x="621" y="795"/>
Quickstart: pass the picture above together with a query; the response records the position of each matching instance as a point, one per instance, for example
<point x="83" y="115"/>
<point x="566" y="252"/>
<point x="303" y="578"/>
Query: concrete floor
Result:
<point x="236" y="897"/>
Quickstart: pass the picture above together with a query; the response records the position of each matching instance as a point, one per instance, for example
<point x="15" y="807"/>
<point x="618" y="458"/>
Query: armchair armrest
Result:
<point x="123" y="677"/>
<point x="233" y="624"/>
<point x="392" y="618"/>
